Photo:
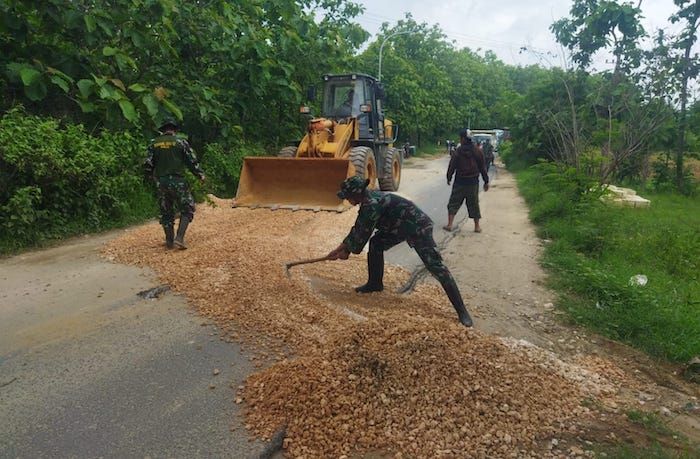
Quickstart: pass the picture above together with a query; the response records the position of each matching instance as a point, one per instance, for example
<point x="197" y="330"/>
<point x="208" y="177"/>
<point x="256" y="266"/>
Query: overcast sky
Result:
<point x="503" y="26"/>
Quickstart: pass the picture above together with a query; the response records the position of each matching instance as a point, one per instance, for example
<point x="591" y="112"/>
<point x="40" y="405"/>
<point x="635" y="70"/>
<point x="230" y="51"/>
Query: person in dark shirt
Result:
<point x="345" y="109"/>
<point x="395" y="219"/>
<point x="466" y="165"/>
<point x="168" y="157"/>
<point x="489" y="156"/>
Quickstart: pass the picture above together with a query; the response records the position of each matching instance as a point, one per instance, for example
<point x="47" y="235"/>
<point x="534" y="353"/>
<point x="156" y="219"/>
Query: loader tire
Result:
<point x="287" y="152"/>
<point x="392" y="171"/>
<point x="365" y="165"/>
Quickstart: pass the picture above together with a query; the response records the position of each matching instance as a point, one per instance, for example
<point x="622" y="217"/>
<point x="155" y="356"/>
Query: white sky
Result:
<point x="503" y="26"/>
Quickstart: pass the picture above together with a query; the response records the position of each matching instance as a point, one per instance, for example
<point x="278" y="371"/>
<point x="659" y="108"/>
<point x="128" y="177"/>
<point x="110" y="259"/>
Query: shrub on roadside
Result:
<point x="223" y="166"/>
<point x="58" y="180"/>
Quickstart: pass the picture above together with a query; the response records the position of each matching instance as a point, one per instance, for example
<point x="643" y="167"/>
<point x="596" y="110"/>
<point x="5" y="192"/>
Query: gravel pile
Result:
<point x="418" y="388"/>
<point x="355" y="373"/>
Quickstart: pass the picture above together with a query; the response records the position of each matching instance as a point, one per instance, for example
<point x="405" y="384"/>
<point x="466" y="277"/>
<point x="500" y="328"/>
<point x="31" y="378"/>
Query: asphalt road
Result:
<point x="90" y="369"/>
<point x="423" y="182"/>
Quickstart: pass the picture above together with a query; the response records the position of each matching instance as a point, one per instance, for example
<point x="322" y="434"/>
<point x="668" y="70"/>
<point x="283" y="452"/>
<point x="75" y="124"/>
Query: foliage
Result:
<point x="664" y="179"/>
<point x="434" y="89"/>
<point x="57" y="180"/>
<point x="552" y="119"/>
<point x="234" y="73"/>
<point x="594" y="25"/>
<point x="129" y="63"/>
<point x="688" y="68"/>
<point x="596" y="248"/>
<point x="641" y="93"/>
<point x="223" y="166"/>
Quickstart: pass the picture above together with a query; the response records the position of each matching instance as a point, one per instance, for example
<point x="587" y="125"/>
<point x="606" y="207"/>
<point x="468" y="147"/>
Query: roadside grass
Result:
<point x="659" y="434"/>
<point x="654" y="451"/>
<point x="431" y="150"/>
<point x="650" y="421"/>
<point x="595" y="249"/>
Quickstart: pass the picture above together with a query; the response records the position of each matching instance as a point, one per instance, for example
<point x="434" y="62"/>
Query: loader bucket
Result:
<point x="292" y="183"/>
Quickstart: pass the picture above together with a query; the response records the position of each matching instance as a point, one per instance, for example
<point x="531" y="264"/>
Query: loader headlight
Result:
<point x="365" y="108"/>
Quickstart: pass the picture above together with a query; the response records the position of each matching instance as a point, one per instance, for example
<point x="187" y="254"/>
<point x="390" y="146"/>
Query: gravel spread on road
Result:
<point x="349" y="373"/>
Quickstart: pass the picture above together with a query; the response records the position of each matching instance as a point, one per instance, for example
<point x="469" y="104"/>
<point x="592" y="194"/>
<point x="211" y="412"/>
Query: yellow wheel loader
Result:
<point x="351" y="137"/>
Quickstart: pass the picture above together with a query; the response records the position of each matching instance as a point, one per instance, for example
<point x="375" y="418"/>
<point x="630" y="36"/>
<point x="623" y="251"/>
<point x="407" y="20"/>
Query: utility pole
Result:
<point x="379" y="77"/>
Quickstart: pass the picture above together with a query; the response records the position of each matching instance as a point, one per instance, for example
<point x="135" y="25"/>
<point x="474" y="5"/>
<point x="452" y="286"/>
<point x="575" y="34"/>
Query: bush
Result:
<point x="597" y="248"/>
<point x="223" y="167"/>
<point x="665" y="178"/>
<point x="57" y="180"/>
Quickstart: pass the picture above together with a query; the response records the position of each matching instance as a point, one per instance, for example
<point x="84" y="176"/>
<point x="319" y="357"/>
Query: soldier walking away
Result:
<point x="488" y="153"/>
<point x="168" y="156"/>
<point x="395" y="219"/>
<point x="466" y="163"/>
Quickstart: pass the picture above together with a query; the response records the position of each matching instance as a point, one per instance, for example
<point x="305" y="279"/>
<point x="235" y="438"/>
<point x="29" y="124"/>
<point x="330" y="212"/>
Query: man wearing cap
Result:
<point x="168" y="156"/>
<point x="395" y="220"/>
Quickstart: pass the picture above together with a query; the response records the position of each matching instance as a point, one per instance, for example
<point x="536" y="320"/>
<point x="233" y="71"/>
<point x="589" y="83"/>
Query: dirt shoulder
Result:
<point x="500" y="274"/>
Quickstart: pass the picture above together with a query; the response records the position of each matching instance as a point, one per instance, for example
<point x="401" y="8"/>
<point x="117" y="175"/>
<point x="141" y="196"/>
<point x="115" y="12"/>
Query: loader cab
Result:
<point x="355" y="96"/>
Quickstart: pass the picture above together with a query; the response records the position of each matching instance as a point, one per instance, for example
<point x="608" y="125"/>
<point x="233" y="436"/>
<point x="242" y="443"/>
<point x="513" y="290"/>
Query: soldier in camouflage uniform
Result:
<point x="396" y="219"/>
<point x="168" y="156"/>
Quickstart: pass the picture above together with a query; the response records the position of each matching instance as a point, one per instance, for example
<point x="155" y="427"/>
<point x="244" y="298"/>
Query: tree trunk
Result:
<point x="683" y="122"/>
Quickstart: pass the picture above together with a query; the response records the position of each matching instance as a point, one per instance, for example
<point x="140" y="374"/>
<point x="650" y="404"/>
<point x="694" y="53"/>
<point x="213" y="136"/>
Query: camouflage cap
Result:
<point x="352" y="186"/>
<point x="168" y="123"/>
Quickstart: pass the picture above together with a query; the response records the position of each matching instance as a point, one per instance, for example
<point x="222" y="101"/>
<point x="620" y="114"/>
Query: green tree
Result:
<point x="688" y="67"/>
<point x="223" y="67"/>
<point x="594" y="25"/>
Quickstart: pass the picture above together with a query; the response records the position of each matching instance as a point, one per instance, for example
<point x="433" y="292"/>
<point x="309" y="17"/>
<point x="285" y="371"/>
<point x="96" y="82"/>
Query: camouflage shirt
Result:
<point x="390" y="214"/>
<point x="169" y="156"/>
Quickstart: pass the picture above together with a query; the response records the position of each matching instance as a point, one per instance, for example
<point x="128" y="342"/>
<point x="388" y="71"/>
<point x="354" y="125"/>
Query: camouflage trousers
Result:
<point x="425" y="247"/>
<point x="174" y="196"/>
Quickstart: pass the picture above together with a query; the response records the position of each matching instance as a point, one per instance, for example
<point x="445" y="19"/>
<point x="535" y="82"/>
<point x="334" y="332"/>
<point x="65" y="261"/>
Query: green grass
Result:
<point x="431" y="150"/>
<point x="595" y="249"/>
<point x="650" y="421"/>
<point x="650" y="452"/>
<point x="657" y="430"/>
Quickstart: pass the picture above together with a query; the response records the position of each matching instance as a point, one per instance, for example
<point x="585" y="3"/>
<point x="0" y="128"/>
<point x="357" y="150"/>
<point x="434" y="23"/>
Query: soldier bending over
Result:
<point x="396" y="219"/>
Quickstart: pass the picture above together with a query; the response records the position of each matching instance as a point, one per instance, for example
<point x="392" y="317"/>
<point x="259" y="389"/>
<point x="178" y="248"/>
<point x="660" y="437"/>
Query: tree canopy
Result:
<point x="235" y="72"/>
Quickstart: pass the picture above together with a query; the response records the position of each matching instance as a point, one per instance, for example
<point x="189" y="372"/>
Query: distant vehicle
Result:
<point x="481" y="135"/>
